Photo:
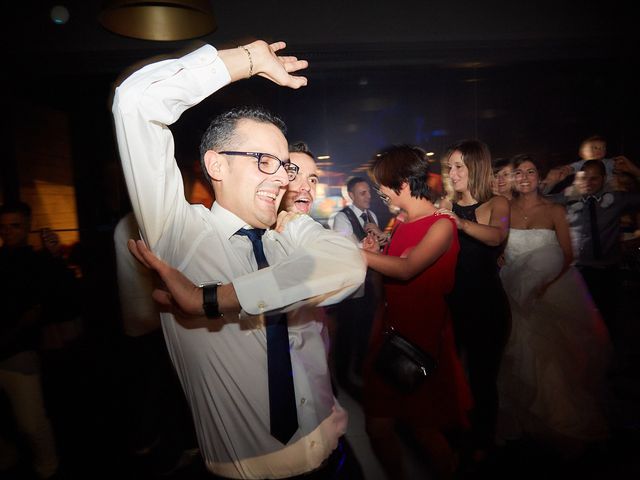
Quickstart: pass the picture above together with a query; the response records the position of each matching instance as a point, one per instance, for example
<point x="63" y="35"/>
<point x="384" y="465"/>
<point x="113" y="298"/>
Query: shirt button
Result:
<point x="312" y="444"/>
<point x="262" y="306"/>
<point x="302" y="401"/>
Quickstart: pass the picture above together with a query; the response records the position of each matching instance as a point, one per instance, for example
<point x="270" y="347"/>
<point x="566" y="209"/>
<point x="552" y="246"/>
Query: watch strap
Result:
<point x="210" y="300"/>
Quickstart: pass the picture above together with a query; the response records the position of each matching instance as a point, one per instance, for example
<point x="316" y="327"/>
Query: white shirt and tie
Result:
<point x="222" y="366"/>
<point x="342" y="225"/>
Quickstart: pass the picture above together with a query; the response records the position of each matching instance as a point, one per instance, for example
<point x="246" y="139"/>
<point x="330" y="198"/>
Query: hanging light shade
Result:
<point x="163" y="20"/>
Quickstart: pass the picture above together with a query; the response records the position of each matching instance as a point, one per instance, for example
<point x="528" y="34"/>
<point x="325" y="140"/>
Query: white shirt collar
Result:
<point x="230" y="223"/>
<point x="356" y="210"/>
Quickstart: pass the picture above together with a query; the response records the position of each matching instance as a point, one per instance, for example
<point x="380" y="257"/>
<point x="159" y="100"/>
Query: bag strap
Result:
<point x="389" y="328"/>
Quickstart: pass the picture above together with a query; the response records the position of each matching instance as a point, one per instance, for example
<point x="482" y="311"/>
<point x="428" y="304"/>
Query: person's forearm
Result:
<point x="394" y="267"/>
<point x="240" y="61"/>
<point x="400" y="268"/>
<point x="487" y="234"/>
<point x="144" y="104"/>
<point x="322" y="268"/>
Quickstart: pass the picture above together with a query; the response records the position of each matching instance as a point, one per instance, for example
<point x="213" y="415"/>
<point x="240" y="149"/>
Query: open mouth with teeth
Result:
<point x="267" y="195"/>
<point x="303" y="204"/>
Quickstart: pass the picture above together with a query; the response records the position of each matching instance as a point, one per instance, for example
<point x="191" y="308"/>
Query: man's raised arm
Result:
<point x="156" y="96"/>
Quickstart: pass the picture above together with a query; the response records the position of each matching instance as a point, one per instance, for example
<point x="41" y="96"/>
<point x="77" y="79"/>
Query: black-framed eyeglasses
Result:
<point x="383" y="196"/>
<point x="268" y="163"/>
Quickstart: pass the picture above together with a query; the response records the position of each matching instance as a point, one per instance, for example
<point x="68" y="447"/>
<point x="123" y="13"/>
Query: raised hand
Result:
<point x="181" y="295"/>
<point x="623" y="164"/>
<point x="276" y="68"/>
<point x="261" y="58"/>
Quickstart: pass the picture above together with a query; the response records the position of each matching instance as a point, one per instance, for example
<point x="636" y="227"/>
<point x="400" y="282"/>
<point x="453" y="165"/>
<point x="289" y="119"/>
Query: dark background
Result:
<point x="522" y="76"/>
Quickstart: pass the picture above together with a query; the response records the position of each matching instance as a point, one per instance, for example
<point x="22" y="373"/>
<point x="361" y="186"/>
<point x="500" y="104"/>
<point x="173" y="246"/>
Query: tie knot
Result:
<point x="364" y="216"/>
<point x="255" y="236"/>
<point x="252" y="233"/>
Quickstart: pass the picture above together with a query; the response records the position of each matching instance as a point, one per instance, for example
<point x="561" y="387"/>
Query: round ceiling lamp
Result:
<point x="163" y="20"/>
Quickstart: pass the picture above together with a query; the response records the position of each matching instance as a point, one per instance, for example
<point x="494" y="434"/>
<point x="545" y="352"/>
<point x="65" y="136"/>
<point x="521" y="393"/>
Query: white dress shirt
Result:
<point x="223" y="364"/>
<point x="342" y="225"/>
<point x="140" y="314"/>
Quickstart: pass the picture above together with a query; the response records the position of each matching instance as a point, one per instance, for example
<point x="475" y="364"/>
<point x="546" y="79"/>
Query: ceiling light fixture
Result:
<point x="163" y="20"/>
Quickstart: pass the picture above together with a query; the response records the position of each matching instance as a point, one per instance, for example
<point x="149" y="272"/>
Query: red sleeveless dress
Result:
<point x="417" y="309"/>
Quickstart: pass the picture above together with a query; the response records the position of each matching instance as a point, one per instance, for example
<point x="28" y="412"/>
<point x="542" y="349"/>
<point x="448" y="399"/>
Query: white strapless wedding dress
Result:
<point x="552" y="375"/>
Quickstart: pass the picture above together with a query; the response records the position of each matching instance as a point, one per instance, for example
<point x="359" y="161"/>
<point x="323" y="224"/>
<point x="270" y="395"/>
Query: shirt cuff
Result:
<point x="258" y="292"/>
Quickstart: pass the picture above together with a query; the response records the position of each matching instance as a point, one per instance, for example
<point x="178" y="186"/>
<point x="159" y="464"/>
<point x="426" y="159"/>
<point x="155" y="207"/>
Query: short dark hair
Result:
<point x="353" y="181"/>
<point x="398" y="164"/>
<point x="16" y="207"/>
<point x="519" y="159"/>
<point x="301" y="147"/>
<point x="499" y="163"/>
<point x="595" y="164"/>
<point x="220" y="135"/>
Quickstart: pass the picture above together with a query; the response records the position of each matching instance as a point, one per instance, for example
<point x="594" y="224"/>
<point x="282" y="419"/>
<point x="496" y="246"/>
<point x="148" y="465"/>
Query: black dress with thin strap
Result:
<point x="481" y="319"/>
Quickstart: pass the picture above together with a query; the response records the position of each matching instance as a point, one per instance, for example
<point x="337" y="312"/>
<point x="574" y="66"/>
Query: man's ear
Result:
<point x="215" y="164"/>
<point x="351" y="196"/>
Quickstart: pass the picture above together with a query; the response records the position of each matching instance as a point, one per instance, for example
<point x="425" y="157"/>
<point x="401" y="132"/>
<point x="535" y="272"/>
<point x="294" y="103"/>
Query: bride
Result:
<point x="553" y="369"/>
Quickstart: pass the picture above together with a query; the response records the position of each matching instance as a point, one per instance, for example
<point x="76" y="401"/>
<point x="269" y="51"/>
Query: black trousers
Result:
<point x="342" y="464"/>
<point x="482" y="324"/>
<point x="354" y="319"/>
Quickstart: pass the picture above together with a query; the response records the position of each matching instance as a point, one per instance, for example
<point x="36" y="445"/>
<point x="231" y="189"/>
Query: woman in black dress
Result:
<point x="479" y="305"/>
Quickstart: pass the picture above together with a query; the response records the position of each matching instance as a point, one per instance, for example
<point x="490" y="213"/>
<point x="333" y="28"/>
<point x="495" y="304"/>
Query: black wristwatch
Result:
<point x="210" y="299"/>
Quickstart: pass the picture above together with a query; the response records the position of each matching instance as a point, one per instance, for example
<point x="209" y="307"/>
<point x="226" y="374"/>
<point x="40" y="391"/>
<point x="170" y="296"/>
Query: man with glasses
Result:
<point x="262" y="403"/>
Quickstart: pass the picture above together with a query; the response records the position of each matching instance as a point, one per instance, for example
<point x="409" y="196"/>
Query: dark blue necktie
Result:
<point x="595" y="232"/>
<point x="283" y="413"/>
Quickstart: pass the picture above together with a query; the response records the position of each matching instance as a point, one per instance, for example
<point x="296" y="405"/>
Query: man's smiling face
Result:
<point x="301" y="192"/>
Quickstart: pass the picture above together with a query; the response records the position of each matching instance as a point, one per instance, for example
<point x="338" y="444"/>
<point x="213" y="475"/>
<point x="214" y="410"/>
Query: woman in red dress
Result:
<point x="418" y="266"/>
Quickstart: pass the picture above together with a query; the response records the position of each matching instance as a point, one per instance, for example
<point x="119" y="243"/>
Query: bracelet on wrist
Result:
<point x="250" y="59"/>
